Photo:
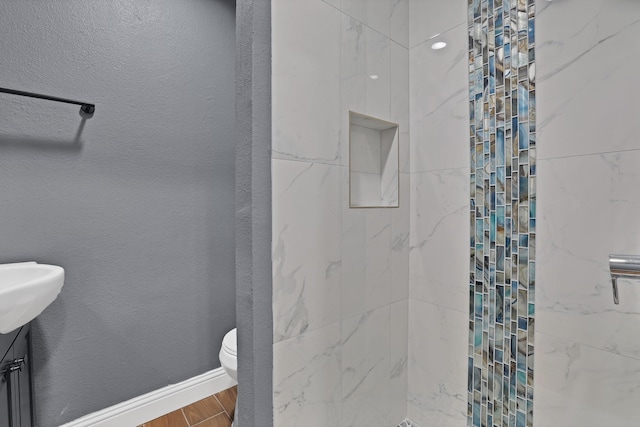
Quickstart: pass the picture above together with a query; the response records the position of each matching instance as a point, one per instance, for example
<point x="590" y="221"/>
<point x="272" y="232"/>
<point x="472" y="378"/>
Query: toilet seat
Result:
<point x="230" y="342"/>
<point x="229" y="361"/>
<point x="229" y="354"/>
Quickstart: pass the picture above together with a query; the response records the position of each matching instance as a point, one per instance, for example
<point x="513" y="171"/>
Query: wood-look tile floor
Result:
<point x="213" y="411"/>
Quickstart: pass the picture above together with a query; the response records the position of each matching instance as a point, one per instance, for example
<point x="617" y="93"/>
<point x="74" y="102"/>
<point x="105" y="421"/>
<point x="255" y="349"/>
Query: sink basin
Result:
<point x="26" y="289"/>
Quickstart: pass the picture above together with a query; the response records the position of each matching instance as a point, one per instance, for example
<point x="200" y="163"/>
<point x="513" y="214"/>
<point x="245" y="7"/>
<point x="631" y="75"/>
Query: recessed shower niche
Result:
<point x="373" y="162"/>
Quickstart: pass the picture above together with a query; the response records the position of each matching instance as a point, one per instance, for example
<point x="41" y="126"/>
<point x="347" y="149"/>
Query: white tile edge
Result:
<point x="154" y="404"/>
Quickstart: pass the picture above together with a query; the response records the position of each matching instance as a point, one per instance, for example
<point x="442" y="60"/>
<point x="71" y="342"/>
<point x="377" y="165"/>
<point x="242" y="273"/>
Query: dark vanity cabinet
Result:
<point x="16" y="403"/>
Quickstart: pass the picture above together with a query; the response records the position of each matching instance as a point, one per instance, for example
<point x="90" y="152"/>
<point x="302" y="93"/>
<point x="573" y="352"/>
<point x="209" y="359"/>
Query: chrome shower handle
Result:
<point x="623" y="266"/>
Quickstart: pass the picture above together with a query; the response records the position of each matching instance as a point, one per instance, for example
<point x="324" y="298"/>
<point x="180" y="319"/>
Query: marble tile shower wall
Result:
<point x="341" y="275"/>
<point x="503" y="212"/>
<point x="587" y="348"/>
<point x="439" y="255"/>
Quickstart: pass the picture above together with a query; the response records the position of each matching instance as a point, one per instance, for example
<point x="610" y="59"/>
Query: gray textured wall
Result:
<point x="253" y="216"/>
<point x="137" y="203"/>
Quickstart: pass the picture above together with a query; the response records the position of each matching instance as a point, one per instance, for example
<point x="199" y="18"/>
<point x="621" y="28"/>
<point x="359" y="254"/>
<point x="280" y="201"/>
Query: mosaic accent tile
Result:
<point x="502" y="212"/>
<point x="408" y="423"/>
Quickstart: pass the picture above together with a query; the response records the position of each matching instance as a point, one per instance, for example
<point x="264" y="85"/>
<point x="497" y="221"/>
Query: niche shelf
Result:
<point x="373" y="162"/>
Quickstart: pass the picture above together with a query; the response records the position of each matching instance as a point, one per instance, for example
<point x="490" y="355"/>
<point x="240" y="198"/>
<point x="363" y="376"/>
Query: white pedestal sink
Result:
<point x="26" y="289"/>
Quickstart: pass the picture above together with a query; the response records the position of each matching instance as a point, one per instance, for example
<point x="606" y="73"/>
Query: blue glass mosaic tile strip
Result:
<point x="502" y="112"/>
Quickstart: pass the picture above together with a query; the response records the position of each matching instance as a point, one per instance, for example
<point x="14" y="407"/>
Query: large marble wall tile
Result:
<point x="437" y="365"/>
<point x="366" y="369"/>
<point x="374" y="80"/>
<point x="307" y="379"/>
<point x="430" y="17"/>
<point x="373" y="13"/>
<point x="388" y="17"/>
<point x="439" y="258"/>
<point x="405" y="152"/>
<point x="331" y="262"/>
<point x="353" y="242"/>
<point x="306" y="82"/>
<point x="588" y="57"/>
<point x="399" y="91"/>
<point x="375" y="253"/>
<point x="365" y="155"/>
<point x="374" y="367"/>
<point x="334" y="3"/>
<point x="378" y="258"/>
<point x="367" y="188"/>
<point x="365" y="72"/>
<point x="400" y="229"/>
<point x="390" y="176"/>
<point x="580" y="386"/>
<point x="306" y="246"/>
<point x="398" y="360"/>
<point x="439" y="104"/>
<point x="399" y="21"/>
<point x="589" y="208"/>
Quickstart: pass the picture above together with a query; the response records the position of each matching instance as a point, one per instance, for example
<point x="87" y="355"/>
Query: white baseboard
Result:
<point x="157" y="403"/>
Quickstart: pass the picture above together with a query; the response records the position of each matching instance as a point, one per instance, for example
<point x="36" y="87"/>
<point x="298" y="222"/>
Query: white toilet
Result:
<point x="229" y="360"/>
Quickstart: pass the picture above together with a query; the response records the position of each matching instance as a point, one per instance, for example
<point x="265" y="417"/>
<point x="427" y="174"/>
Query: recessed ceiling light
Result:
<point x="438" y="45"/>
<point x="374" y="77"/>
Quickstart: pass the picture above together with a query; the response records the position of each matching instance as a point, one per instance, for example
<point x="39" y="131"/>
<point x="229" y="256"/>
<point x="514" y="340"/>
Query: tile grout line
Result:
<point x="339" y="321"/>
<point x="185" y="417"/>
<point x="210" y="418"/>
<point x="600" y="153"/>
<point x="604" y="350"/>
<point x="440" y="306"/>
<point x="367" y="25"/>
<point x="221" y="405"/>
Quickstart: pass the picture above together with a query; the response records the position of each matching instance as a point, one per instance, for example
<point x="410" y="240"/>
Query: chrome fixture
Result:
<point x="623" y="267"/>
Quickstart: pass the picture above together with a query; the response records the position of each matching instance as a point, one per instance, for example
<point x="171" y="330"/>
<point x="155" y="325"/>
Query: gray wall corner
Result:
<point x="253" y="213"/>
